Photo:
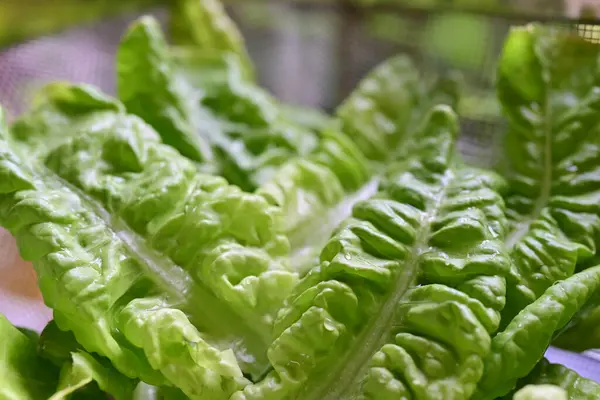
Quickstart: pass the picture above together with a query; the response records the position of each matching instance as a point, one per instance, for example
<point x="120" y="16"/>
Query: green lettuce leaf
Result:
<point x="28" y="374"/>
<point x="572" y="386"/>
<point x="60" y="108"/>
<point x="582" y="332"/>
<point x="82" y="375"/>
<point x="311" y="119"/>
<point x="310" y="170"/>
<point x="168" y="273"/>
<point x="233" y="118"/>
<point x="84" y="369"/>
<point x="318" y="191"/>
<point x="389" y="103"/>
<point x="148" y="87"/>
<point x="548" y="85"/>
<point x="408" y="290"/>
<point x="205" y="26"/>
<point x="541" y="392"/>
<point x="24" y="374"/>
<point x="121" y="163"/>
<point x="517" y="349"/>
<point x="148" y="392"/>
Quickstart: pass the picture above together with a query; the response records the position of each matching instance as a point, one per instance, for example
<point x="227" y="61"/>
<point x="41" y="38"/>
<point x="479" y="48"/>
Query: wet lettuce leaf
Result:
<point x="172" y="275"/>
<point x="553" y="159"/>
<point x="408" y="291"/>
<point x="549" y="88"/>
<point x="517" y="349"/>
<point x="390" y="103"/>
<point x="315" y="172"/>
<point x="318" y="191"/>
<point x="554" y="381"/>
<point x="60" y="108"/>
<point x="231" y="118"/>
<point x="359" y="258"/>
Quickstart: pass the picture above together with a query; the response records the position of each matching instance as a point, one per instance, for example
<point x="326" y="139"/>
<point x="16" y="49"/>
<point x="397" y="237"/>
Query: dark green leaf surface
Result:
<point x="24" y="375"/>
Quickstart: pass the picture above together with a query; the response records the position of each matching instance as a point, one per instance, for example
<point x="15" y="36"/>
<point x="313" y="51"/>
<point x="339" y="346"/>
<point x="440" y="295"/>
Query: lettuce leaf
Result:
<point x="84" y="369"/>
<point x="148" y="87"/>
<point x="204" y="25"/>
<point x="408" y="290"/>
<point x="541" y="392"/>
<point x="389" y="103"/>
<point x="24" y="374"/>
<point x="312" y="172"/>
<point x="82" y="375"/>
<point x="59" y="108"/>
<point x="571" y="385"/>
<point x="548" y="85"/>
<point x="234" y="119"/>
<point x="131" y="244"/>
<point x="318" y="191"/>
<point x="518" y="348"/>
<point x="28" y="374"/>
<point x="582" y="332"/>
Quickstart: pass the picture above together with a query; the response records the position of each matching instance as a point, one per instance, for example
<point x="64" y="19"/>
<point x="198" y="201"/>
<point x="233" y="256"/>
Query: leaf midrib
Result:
<point x="182" y="290"/>
<point x="312" y="235"/>
<point x="522" y="227"/>
<point x="354" y="363"/>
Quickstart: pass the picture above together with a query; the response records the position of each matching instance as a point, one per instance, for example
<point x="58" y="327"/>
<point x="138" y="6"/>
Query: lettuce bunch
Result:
<point x="198" y="239"/>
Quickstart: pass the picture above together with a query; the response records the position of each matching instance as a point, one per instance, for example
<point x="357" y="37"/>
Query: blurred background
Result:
<point x="309" y="52"/>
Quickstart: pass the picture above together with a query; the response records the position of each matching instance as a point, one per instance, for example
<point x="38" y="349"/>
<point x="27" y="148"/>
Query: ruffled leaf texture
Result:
<point x="172" y="275"/>
<point x="518" y="348"/>
<point x="318" y="191"/>
<point x="59" y="108"/>
<point x="231" y="125"/>
<point x="408" y="291"/>
<point x="315" y="172"/>
<point x="389" y="102"/>
<point x="549" y="87"/>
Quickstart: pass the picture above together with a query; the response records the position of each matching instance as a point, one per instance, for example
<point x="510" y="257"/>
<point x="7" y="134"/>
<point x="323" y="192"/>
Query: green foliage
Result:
<point x="198" y="239"/>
